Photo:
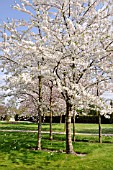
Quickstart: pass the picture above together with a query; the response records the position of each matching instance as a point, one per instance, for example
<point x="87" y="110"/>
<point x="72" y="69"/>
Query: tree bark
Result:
<point x="38" y="147"/>
<point x="74" y="127"/>
<point x="100" y="129"/>
<point x="43" y="118"/>
<point x="69" y="146"/>
<point x="60" y="118"/>
<point x="39" y="134"/>
<point x="51" y="114"/>
<point x="51" y="135"/>
<point x="99" y="119"/>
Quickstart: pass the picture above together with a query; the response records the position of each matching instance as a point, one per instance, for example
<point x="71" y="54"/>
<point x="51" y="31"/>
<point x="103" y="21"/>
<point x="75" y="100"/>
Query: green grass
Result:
<point x="18" y="125"/>
<point x="17" y="149"/>
<point x="80" y="128"/>
<point x="16" y="153"/>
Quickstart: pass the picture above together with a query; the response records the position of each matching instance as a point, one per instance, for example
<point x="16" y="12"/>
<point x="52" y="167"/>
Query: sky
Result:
<point x="6" y="11"/>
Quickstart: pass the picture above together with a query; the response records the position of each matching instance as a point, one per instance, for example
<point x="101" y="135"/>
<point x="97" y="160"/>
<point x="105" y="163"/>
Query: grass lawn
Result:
<point x="80" y="128"/>
<point x="16" y="150"/>
<point x="16" y="153"/>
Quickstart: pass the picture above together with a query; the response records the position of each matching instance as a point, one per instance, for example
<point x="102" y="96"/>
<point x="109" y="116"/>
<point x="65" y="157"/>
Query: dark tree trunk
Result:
<point x="39" y="134"/>
<point x="74" y="127"/>
<point x="43" y="118"/>
<point x="51" y="135"/>
<point x="100" y="129"/>
<point x="99" y="119"/>
<point x="38" y="147"/>
<point x="51" y="114"/>
<point x="69" y="146"/>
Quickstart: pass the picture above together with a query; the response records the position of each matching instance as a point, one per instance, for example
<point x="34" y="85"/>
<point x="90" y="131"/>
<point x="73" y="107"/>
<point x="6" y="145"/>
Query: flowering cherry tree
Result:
<point x="64" y="41"/>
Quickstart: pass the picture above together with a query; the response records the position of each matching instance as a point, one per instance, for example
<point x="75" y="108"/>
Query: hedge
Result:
<point x="78" y="119"/>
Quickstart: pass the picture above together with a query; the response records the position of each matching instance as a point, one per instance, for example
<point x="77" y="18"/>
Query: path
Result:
<point x="47" y="132"/>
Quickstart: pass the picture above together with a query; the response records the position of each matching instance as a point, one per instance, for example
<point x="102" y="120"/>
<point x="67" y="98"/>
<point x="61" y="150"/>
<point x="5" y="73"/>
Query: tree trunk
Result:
<point x="51" y="114"/>
<point x="100" y="129"/>
<point x="69" y="146"/>
<point x="38" y="147"/>
<point x="99" y="119"/>
<point x="51" y="135"/>
<point x="60" y="118"/>
<point x="39" y="134"/>
<point x="74" y="126"/>
<point x="43" y="118"/>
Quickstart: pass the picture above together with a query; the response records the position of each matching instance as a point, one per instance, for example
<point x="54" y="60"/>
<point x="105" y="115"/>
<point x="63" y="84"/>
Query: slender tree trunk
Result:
<point x="74" y="126"/>
<point x="100" y="129"/>
<point x="51" y="135"/>
<point x="69" y="146"/>
<point x="60" y="118"/>
<point x="39" y="134"/>
<point x="43" y="118"/>
<point x="38" y="147"/>
<point x="99" y="118"/>
<point x="73" y="66"/>
<point x="51" y="114"/>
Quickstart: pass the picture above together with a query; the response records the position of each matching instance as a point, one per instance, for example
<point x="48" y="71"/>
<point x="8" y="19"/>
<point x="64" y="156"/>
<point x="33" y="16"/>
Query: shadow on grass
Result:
<point x="11" y="141"/>
<point x="95" y="131"/>
<point x="16" y="141"/>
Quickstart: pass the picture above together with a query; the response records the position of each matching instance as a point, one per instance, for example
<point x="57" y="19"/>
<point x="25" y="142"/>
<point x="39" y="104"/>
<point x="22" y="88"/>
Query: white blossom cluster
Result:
<point x="68" y="42"/>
